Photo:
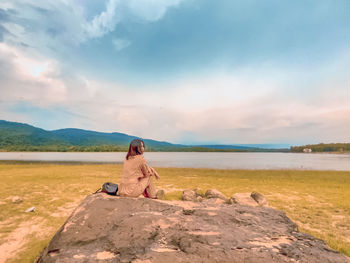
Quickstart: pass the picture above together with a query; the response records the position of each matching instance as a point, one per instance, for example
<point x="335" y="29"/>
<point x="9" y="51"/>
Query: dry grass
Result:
<point x="318" y="201"/>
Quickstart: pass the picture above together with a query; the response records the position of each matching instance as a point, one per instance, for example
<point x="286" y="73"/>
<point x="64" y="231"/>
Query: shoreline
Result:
<point x="41" y="162"/>
<point x="209" y="160"/>
<point x="56" y="162"/>
<point x="273" y="151"/>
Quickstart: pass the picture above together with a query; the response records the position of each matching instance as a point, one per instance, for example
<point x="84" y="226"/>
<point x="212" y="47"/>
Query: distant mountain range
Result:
<point x="16" y="136"/>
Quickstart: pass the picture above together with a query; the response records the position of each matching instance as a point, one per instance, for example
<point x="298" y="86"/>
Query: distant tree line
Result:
<point x="105" y="148"/>
<point x="323" y="147"/>
<point x="63" y="148"/>
<point x="120" y="148"/>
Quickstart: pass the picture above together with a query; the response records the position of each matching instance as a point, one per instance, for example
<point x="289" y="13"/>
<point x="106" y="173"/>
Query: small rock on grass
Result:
<point x="161" y="194"/>
<point x="213" y="193"/>
<point x="243" y="199"/>
<point x="189" y="195"/>
<point x="30" y="209"/>
<point x="259" y="198"/>
<point x="16" y="200"/>
<point x="199" y="192"/>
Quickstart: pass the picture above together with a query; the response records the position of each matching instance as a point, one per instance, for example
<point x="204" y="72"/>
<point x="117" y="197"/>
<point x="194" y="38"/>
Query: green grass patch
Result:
<point x="318" y="201"/>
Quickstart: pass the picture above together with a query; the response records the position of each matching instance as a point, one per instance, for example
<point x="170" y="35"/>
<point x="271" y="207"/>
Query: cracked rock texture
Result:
<point x="113" y="229"/>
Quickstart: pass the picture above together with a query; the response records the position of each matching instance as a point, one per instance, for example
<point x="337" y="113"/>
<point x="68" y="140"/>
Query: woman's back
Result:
<point x="136" y="178"/>
<point x="132" y="169"/>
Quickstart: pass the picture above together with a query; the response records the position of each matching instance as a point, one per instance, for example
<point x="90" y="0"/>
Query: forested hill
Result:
<point x="23" y="137"/>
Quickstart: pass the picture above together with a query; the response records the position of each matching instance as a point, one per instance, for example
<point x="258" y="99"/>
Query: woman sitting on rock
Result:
<point x="137" y="175"/>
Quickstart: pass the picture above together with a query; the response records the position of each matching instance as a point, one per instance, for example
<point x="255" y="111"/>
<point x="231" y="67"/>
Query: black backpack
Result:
<point x="108" y="188"/>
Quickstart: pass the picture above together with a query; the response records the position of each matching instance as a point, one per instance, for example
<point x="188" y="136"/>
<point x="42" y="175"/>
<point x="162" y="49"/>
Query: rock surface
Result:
<point x="113" y="229"/>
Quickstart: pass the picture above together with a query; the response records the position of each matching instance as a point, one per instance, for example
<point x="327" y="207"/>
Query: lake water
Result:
<point x="217" y="160"/>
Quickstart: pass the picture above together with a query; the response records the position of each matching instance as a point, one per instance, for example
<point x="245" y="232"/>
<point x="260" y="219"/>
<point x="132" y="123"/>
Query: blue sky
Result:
<point x="182" y="71"/>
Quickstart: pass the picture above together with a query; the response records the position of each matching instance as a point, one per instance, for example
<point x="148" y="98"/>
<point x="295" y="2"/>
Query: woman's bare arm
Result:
<point x="147" y="170"/>
<point x="156" y="175"/>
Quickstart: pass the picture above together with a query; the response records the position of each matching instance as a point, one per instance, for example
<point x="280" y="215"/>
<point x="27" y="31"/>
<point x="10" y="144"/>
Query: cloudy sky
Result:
<point x="184" y="71"/>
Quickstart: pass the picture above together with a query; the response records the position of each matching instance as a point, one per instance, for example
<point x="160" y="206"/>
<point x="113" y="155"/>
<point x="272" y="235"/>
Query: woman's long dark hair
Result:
<point x="135" y="148"/>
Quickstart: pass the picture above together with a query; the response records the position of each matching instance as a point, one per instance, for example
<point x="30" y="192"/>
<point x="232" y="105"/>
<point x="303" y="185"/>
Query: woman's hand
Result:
<point x="156" y="175"/>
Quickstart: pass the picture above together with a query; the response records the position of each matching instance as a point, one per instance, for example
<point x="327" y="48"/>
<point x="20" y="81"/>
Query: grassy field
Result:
<point x="318" y="201"/>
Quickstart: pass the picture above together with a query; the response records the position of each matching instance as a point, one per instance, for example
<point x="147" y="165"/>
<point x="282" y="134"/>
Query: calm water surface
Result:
<point x="217" y="160"/>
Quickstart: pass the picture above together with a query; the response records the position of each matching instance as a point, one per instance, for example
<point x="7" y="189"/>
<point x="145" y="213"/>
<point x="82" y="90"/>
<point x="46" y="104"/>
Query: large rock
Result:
<point x="191" y="195"/>
<point x="243" y="199"/>
<point x="213" y="193"/>
<point x="199" y="192"/>
<point x="113" y="229"/>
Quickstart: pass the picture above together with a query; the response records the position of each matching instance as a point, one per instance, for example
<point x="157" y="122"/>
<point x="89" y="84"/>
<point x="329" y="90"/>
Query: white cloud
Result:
<point x="25" y="78"/>
<point x="269" y="117"/>
<point x="117" y="10"/>
<point x="105" y="22"/>
<point x="226" y="112"/>
<point x="248" y="106"/>
<point x="120" y="43"/>
<point x="221" y="107"/>
<point x="151" y="10"/>
<point x="58" y="24"/>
